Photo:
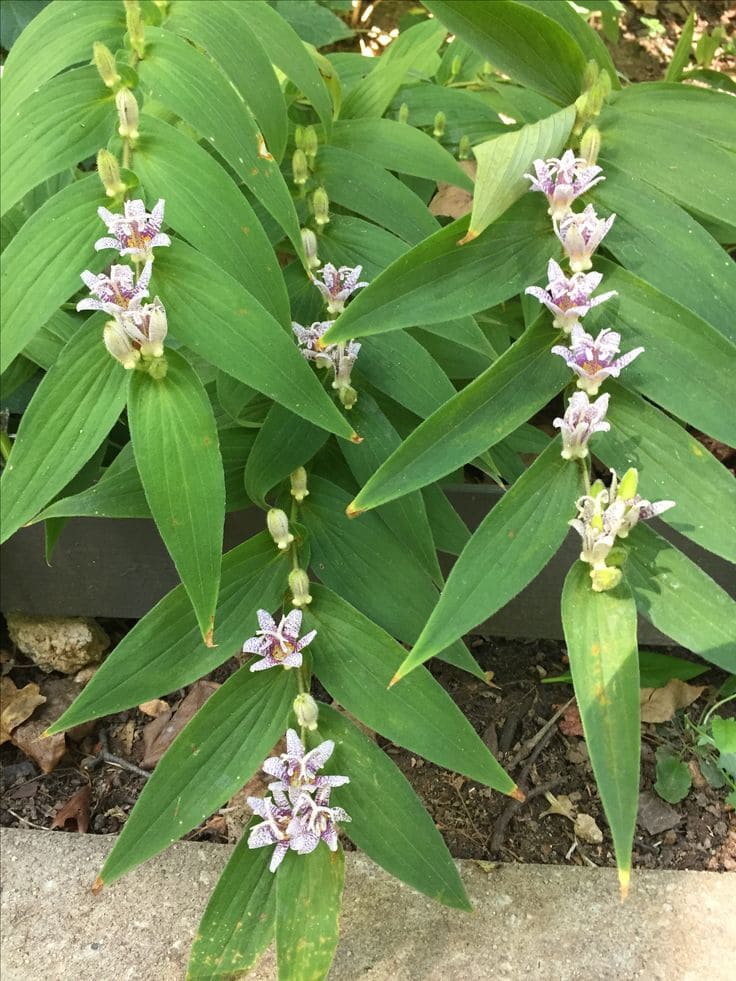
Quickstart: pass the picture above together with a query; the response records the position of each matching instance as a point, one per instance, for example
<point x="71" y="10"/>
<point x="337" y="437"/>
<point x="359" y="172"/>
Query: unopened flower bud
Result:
<point x="311" y="143"/>
<point x="299" y="484"/>
<point x="127" y="114"/>
<point x="306" y="711"/>
<point x="321" y="206"/>
<point x="309" y="241"/>
<point x="590" y="75"/>
<point x="299" y="137"/>
<point x="109" y="173"/>
<point x="596" y="487"/>
<point x="278" y="528"/>
<point x="299" y="168"/>
<point x="487" y="68"/>
<point x="135" y="26"/>
<point x="590" y="145"/>
<point x="104" y="61"/>
<point x="157" y="329"/>
<point x="604" y="85"/>
<point x="120" y="345"/>
<point x="604" y="579"/>
<point x="348" y="396"/>
<point x="595" y="99"/>
<point x="628" y="484"/>
<point x="439" y="125"/>
<point x="299" y="586"/>
<point x="463" y="149"/>
<point x="404" y="113"/>
<point x="455" y="66"/>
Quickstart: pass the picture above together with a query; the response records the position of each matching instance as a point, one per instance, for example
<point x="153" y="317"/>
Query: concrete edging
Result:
<point x="550" y="923"/>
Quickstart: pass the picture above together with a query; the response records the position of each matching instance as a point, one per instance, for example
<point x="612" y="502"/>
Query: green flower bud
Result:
<point x="104" y="61"/>
<point x="404" y="113"/>
<point x="590" y="145"/>
<point x="321" y="206"/>
<point x="299" y="137"/>
<point x="299" y="586"/>
<point x="439" y="125"/>
<point x="278" y="528"/>
<point x="590" y="75"/>
<point x="311" y="143"/>
<point x="109" y="173"/>
<point x="628" y="484"/>
<point x="596" y="488"/>
<point x="135" y="26"/>
<point x="605" y="579"/>
<point x="309" y="241"/>
<point x="299" y="168"/>
<point x="487" y="68"/>
<point x="306" y="711"/>
<point x="127" y="107"/>
<point x="348" y="396"/>
<point x="604" y="85"/>
<point x="299" y="484"/>
<point x="455" y="66"/>
<point x="463" y="149"/>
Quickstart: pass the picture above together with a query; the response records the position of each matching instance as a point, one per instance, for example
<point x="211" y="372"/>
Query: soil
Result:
<point x="477" y="823"/>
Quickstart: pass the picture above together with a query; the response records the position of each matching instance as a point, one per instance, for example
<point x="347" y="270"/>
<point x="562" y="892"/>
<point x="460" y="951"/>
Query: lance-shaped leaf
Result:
<point x="600" y="633"/>
<point x="189" y="84"/>
<point x="72" y="411"/>
<point x="522" y="42"/>
<point x="41" y="267"/>
<point x="503" y="162"/>
<point x="174" y="438"/>
<point x="389" y="822"/>
<point x="681" y="600"/>
<point x="284" y="442"/>
<point x="588" y="39"/>
<point x="354" y="658"/>
<point x="440" y="280"/>
<point x="514" y="542"/>
<point x="220" y="321"/>
<point x="239" y="921"/>
<point x="227" y="739"/>
<point x="672" y="465"/>
<point x="515" y="386"/>
<point x="308" y="902"/>
<point x="164" y="652"/>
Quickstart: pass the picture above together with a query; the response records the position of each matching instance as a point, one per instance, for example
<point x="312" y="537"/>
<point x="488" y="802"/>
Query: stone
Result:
<point x="65" y="644"/>
<point x="655" y="816"/>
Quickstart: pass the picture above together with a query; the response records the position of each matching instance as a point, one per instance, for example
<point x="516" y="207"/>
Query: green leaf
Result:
<point x="239" y="921"/>
<point x="388" y="821"/>
<point x="41" y="270"/>
<point x="207" y="209"/>
<point x="467" y="113"/>
<point x="600" y="633"/>
<point x="365" y="563"/>
<point x="679" y="61"/>
<point x="72" y="411"/>
<point x="655" y="670"/>
<point x="392" y="145"/>
<point x="516" y="386"/>
<point x="448" y="528"/>
<point x="163" y="651"/>
<point x="439" y="280"/>
<point x="399" y="366"/>
<point x="284" y="442"/>
<point x="348" y="240"/>
<point x="680" y="599"/>
<point x="210" y="23"/>
<point x="374" y="193"/>
<point x="673" y="776"/>
<point x="504" y="161"/>
<point x="60" y="36"/>
<point x="521" y="42"/>
<point x="705" y="112"/>
<point x="185" y="81"/>
<point x="48" y="342"/>
<point x="673" y="465"/>
<point x="514" y="542"/>
<point x="724" y="734"/>
<point x="354" y="659"/>
<point x="286" y="50"/>
<point x="174" y="438"/>
<point x="219" y="320"/>
<point x="16" y="16"/>
<point x="308" y="902"/>
<point x="229" y="737"/>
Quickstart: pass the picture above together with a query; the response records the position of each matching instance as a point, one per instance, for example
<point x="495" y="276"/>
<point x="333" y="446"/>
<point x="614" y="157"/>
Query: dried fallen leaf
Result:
<point x="159" y="734"/>
<point x="154" y="708"/>
<point x="47" y="751"/>
<point x="16" y="705"/>
<point x="74" y="812"/>
<point x="451" y="201"/>
<point x="587" y="830"/>
<point x="559" y="805"/>
<point x="660" y="704"/>
<point x="571" y="723"/>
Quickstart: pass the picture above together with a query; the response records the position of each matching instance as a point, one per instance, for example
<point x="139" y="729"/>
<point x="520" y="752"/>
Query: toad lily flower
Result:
<point x="117" y="292"/>
<point x="135" y="232"/>
<point x="568" y="297"/>
<point x="278" y="645"/>
<point x="138" y="332"/>
<point x="297" y="769"/>
<point x="314" y="821"/>
<point x="341" y="357"/>
<point x="595" y="360"/>
<point x="581" y="234"/>
<point x="562" y="180"/>
<point x="273" y="830"/>
<point x="338" y="285"/>
<point x="582" y="418"/>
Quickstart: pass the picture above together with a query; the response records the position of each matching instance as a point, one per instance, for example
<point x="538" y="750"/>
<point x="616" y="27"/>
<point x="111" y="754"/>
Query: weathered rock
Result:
<point x="655" y="816"/>
<point x="64" y="644"/>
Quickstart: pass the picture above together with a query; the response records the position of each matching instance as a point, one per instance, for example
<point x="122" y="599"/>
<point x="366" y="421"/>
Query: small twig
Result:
<point x="25" y="820"/>
<point x="513" y="807"/>
<point x="105" y="756"/>
<point x="529" y="745"/>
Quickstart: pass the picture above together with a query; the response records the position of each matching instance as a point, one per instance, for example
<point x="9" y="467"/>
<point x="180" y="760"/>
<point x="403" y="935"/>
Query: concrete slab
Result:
<point x="542" y="922"/>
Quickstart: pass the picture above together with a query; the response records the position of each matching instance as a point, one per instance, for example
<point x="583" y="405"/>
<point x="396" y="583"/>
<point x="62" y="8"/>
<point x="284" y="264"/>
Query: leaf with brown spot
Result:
<point x="16" y="705"/>
<point x="661" y="704"/>
<point x="75" y="812"/>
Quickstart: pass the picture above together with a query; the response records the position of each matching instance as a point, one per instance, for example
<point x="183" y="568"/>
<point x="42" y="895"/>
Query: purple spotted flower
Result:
<point x="582" y="418"/>
<point x="116" y="292"/>
<point x="278" y="645"/>
<point x="562" y="180"/>
<point x="569" y="297"/>
<point x="340" y="357"/>
<point x="310" y="342"/>
<point x="135" y="232"/>
<point x="314" y="821"/>
<point x="595" y="360"/>
<point x="297" y="769"/>
<point x="273" y="830"/>
<point x="338" y="285"/>
<point x="581" y="234"/>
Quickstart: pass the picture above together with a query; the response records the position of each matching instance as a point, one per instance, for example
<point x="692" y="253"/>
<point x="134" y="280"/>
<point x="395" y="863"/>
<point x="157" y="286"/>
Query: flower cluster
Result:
<point x="562" y="180"/>
<point x="608" y="513"/>
<point x="137" y="330"/>
<point x="336" y="287"/>
<point x="298" y="814"/>
<point x="278" y="646"/>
